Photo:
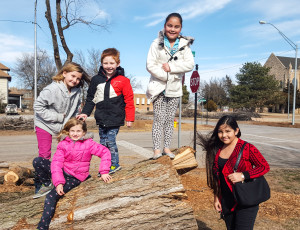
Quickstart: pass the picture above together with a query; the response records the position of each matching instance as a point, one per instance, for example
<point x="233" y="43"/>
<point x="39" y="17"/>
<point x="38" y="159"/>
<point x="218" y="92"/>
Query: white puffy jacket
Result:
<point x="181" y="62"/>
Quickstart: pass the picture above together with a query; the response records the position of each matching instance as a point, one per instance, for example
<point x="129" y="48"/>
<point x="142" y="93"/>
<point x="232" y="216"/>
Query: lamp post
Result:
<point x="35" y="54"/>
<point x="295" y="47"/>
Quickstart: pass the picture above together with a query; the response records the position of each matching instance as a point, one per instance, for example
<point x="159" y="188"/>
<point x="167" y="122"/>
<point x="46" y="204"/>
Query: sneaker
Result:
<point x="114" y="168"/>
<point x="156" y="156"/>
<point x="171" y="155"/>
<point x="99" y="174"/>
<point x="44" y="190"/>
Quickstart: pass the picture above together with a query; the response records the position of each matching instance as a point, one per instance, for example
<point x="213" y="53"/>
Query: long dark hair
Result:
<point x="211" y="144"/>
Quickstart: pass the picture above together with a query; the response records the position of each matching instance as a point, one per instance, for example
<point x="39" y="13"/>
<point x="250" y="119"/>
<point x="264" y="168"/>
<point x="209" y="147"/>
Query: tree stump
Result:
<point x="148" y="195"/>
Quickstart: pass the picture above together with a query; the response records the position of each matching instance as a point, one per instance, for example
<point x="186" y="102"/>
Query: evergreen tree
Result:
<point x="186" y="95"/>
<point x="255" y="87"/>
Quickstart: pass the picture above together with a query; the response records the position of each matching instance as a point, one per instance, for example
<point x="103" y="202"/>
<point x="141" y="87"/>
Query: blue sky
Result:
<point x="227" y="33"/>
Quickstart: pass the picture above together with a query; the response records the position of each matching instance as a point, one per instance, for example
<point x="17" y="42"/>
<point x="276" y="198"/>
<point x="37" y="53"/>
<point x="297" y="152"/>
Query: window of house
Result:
<point x="143" y="101"/>
<point x="138" y="101"/>
<point x="148" y="101"/>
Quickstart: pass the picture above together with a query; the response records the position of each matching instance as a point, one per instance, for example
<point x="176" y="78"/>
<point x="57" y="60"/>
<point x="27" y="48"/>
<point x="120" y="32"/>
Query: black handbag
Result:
<point x="250" y="192"/>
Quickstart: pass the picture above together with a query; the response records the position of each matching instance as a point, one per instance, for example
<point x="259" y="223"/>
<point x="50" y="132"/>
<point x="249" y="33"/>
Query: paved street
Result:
<point x="279" y="145"/>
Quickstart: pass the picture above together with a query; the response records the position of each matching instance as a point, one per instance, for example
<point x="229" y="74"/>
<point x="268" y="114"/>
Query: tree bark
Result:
<point x="53" y="35"/>
<point x="148" y="195"/>
<point x="61" y="32"/>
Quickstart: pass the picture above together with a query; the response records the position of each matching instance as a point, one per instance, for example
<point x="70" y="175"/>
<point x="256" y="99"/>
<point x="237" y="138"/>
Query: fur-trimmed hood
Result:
<point x="161" y="35"/>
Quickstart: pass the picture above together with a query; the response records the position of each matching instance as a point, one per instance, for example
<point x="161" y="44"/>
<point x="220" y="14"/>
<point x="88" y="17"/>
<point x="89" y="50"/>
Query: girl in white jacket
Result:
<point x="169" y="58"/>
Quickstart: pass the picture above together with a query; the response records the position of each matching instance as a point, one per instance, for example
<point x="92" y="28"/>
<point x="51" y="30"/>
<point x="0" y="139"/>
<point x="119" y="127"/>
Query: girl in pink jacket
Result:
<point x="71" y="163"/>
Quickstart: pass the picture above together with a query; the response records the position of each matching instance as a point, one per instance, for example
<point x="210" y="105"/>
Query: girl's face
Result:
<point x="76" y="132"/>
<point x="72" y="79"/>
<point x="227" y="134"/>
<point x="110" y="66"/>
<point x="173" y="28"/>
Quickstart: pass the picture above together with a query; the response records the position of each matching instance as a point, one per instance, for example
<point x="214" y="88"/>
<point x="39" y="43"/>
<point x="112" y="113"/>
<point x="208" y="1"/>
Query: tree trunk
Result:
<point x="53" y="35"/>
<point x="61" y="32"/>
<point x="148" y="195"/>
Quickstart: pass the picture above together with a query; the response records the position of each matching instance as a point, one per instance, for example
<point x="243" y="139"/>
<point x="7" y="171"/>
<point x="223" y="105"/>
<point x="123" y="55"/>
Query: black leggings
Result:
<point x="242" y="218"/>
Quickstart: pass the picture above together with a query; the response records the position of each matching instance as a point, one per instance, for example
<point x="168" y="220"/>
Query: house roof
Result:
<point x="3" y="67"/>
<point x="4" y="75"/>
<point x="286" y="61"/>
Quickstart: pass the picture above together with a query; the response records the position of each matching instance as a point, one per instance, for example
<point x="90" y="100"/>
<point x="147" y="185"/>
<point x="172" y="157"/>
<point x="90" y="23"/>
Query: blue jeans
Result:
<point x="108" y="138"/>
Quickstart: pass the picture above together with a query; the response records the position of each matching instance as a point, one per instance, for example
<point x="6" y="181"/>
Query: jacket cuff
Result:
<point x="247" y="175"/>
<point x="104" y="172"/>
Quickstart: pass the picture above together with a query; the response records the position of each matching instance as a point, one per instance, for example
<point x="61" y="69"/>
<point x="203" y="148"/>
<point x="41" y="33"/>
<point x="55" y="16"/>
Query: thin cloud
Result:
<point x="278" y="9"/>
<point x="12" y="47"/>
<point x="188" y="11"/>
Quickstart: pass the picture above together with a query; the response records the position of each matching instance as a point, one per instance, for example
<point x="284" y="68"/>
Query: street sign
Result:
<point x="202" y="100"/>
<point x="195" y="81"/>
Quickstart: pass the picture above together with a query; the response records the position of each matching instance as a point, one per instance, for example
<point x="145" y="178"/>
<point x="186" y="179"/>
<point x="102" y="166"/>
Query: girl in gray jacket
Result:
<point x="56" y="104"/>
<point x="169" y="58"/>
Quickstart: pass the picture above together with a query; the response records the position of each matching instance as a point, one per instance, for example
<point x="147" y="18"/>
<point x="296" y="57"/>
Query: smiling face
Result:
<point x="227" y="134"/>
<point x="173" y="28"/>
<point x="110" y="65"/>
<point x="76" y="132"/>
<point x="72" y="79"/>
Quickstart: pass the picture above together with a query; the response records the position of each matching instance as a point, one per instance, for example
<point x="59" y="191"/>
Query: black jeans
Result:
<point x="242" y="218"/>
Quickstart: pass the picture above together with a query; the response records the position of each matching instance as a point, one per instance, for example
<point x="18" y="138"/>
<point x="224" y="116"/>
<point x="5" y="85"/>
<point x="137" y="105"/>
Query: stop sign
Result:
<point x="195" y="81"/>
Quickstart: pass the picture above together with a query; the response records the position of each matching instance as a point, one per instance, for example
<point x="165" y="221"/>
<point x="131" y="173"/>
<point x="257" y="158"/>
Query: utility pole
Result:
<point x="35" y="54"/>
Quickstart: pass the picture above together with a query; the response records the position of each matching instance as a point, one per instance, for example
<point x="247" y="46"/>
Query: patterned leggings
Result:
<point x="42" y="170"/>
<point x="51" y="200"/>
<point x="164" y="114"/>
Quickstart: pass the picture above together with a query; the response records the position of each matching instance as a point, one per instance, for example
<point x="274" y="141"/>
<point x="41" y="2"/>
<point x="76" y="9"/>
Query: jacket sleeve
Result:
<point x="153" y="66"/>
<point x="185" y="65"/>
<point x="78" y="108"/>
<point x="128" y="99"/>
<point x="102" y="152"/>
<point x="89" y="104"/>
<point x="257" y="160"/>
<point x="57" y="165"/>
<point x="42" y="104"/>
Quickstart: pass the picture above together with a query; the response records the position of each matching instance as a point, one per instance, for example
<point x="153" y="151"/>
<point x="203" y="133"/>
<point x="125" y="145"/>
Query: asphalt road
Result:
<point x="279" y="145"/>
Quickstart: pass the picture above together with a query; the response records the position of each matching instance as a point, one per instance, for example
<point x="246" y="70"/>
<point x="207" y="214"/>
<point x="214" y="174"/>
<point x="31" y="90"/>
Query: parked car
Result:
<point x="11" y="109"/>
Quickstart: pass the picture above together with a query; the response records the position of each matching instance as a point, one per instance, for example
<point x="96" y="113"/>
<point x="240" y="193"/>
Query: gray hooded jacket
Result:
<point x="55" y="106"/>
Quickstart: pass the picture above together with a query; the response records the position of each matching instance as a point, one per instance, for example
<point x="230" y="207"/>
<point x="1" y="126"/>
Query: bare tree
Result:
<point x="67" y="15"/>
<point x="24" y="70"/>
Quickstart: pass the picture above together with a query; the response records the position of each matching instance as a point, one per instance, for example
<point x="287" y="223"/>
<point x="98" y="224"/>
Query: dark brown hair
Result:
<point x="177" y="15"/>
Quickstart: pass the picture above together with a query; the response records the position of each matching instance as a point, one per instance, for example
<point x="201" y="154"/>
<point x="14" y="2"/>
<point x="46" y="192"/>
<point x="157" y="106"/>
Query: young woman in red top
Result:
<point x="222" y="147"/>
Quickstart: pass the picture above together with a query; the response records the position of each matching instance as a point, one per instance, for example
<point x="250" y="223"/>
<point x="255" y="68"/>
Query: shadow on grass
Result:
<point x="202" y="225"/>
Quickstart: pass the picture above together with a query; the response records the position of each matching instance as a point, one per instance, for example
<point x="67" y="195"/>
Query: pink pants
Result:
<point x="44" y="140"/>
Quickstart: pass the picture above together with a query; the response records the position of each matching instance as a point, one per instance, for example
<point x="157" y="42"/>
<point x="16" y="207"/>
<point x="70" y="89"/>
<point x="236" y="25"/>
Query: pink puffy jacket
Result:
<point x="74" y="158"/>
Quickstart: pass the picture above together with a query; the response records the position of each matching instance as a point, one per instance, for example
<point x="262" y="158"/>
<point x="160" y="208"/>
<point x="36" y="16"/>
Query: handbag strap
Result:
<point x="239" y="157"/>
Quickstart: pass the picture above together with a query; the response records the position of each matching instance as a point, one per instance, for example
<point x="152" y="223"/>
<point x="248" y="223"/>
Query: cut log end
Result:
<point x="11" y="177"/>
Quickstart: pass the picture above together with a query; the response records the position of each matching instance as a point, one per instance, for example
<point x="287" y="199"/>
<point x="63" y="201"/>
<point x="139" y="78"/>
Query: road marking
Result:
<point x="276" y="139"/>
<point x="135" y="148"/>
<point x="278" y="146"/>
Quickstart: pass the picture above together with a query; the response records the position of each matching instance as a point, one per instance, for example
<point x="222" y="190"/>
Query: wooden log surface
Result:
<point x="148" y="195"/>
<point x="18" y="174"/>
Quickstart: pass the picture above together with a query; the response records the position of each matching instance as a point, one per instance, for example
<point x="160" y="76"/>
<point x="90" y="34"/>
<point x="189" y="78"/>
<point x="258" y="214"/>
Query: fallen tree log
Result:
<point x="184" y="158"/>
<point x="17" y="174"/>
<point x="148" y="195"/>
